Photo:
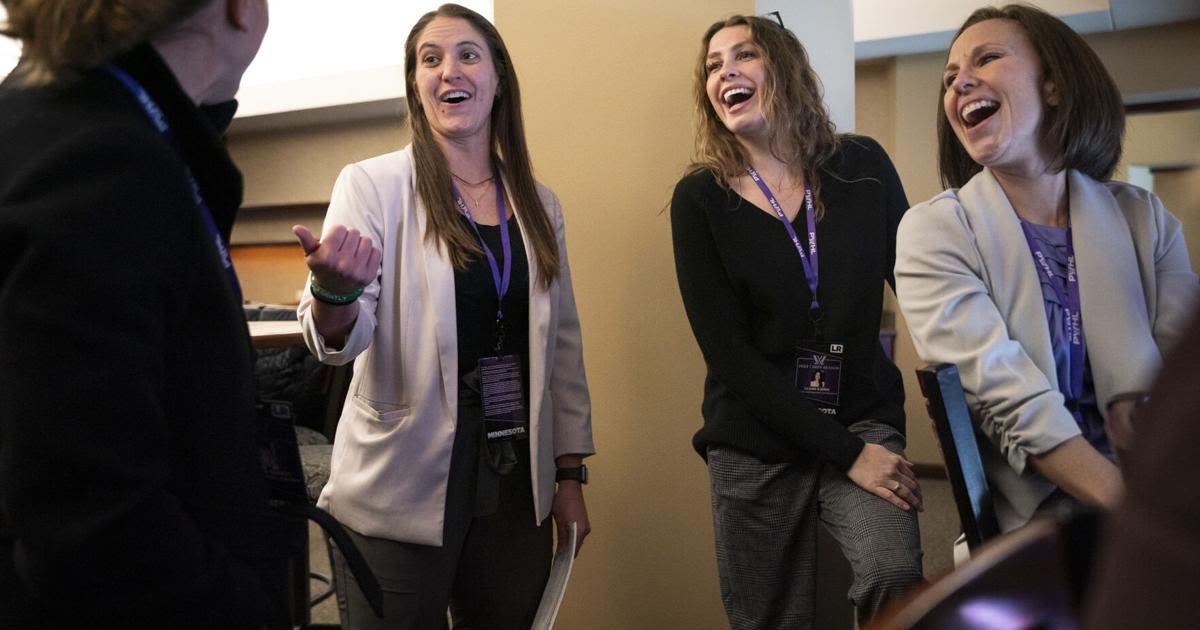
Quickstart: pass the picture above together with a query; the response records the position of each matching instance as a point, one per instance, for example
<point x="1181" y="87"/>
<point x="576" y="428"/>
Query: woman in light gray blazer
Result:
<point x="442" y="273"/>
<point x="1053" y="289"/>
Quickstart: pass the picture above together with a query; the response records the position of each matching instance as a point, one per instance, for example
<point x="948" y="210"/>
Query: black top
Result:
<point x="130" y="487"/>
<point x="475" y="304"/>
<point x="744" y="290"/>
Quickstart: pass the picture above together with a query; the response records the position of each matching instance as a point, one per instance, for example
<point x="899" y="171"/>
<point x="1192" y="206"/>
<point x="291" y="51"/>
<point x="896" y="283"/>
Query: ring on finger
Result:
<point x="896" y="486"/>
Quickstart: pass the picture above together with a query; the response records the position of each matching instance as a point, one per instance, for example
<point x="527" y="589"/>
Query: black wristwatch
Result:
<point x="578" y="473"/>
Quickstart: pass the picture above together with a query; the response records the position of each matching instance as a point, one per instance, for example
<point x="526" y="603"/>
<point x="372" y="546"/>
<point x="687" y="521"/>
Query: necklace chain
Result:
<point x="470" y="183"/>
<point x="477" y="199"/>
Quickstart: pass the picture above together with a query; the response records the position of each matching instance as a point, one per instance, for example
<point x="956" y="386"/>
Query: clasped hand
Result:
<point x="343" y="261"/>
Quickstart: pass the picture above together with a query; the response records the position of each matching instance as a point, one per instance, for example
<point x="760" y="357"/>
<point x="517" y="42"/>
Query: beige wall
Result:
<point x="1161" y="139"/>
<point x="1142" y="61"/>
<point x="1169" y="143"/>
<point x="1154" y="60"/>
<point x="875" y="101"/>
<point x="605" y="88"/>
<point x="1180" y="192"/>
<point x="914" y="99"/>
<point x="299" y="165"/>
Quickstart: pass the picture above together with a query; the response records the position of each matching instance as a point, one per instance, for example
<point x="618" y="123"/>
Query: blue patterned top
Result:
<point x="1053" y="242"/>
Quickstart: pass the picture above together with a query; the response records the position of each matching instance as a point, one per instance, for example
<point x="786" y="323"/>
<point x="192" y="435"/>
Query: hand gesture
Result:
<point x="344" y="261"/>
<point x="888" y="475"/>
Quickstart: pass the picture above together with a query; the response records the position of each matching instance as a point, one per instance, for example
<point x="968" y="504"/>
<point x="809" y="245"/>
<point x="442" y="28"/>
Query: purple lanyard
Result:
<point x="505" y="244"/>
<point x="159" y="120"/>
<point x="1072" y="308"/>
<point x="809" y="260"/>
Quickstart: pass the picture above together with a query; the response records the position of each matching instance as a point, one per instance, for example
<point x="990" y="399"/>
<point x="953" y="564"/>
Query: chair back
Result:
<point x="956" y="436"/>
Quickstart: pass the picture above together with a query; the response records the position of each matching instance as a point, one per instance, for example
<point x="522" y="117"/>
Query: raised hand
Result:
<point x="343" y="261"/>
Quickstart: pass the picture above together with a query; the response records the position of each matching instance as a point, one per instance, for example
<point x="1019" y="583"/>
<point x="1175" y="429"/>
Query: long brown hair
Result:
<point x="1084" y="131"/>
<point x="802" y="134"/>
<point x="61" y="38"/>
<point x="509" y="153"/>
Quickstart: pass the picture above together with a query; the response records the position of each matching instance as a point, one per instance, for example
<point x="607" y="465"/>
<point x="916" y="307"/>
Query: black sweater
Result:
<point x="131" y="493"/>
<point x="744" y="290"/>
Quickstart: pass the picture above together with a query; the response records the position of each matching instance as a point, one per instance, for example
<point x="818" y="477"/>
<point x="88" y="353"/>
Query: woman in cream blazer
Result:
<point x="442" y="273"/>
<point x="391" y="454"/>
<point x="970" y="301"/>
<point x="1031" y="131"/>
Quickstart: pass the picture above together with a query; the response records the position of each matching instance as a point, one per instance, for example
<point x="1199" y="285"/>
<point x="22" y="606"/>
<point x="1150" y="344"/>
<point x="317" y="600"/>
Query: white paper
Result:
<point x="556" y="586"/>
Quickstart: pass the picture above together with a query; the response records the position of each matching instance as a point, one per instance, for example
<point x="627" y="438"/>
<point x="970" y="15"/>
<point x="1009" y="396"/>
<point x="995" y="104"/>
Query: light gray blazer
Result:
<point x="391" y="454"/>
<point x="971" y="296"/>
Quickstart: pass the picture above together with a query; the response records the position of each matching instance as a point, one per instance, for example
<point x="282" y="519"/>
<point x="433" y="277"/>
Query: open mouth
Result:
<point x="736" y="96"/>
<point x="455" y="96"/>
<point x="978" y="111"/>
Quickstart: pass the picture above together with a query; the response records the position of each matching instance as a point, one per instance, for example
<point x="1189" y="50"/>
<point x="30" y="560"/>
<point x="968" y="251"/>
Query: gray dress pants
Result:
<point x="765" y="518"/>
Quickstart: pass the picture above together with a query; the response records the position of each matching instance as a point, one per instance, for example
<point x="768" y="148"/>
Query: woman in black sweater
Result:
<point x="784" y="234"/>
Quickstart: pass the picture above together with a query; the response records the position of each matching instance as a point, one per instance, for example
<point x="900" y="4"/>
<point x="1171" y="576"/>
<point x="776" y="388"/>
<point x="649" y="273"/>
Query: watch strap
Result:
<point x="574" y="473"/>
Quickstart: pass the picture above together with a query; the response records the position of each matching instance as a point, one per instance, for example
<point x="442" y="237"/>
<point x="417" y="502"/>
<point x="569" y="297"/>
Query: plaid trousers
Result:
<point x="765" y="518"/>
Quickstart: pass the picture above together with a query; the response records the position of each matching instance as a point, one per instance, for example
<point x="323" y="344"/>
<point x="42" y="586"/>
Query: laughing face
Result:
<point x="736" y="73"/>
<point x="996" y="97"/>
<point x="455" y="79"/>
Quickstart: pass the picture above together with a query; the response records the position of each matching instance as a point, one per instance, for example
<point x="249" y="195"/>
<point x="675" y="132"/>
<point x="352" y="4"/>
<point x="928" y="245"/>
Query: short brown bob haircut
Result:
<point x="1084" y="131"/>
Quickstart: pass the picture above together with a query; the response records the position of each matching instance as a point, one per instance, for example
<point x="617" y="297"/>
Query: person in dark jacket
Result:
<point x="131" y="493"/>
<point x="1147" y="572"/>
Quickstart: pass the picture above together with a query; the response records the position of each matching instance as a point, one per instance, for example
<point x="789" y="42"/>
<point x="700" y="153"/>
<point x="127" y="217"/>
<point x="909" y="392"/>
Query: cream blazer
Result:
<point x="971" y="296"/>
<point x="391" y="454"/>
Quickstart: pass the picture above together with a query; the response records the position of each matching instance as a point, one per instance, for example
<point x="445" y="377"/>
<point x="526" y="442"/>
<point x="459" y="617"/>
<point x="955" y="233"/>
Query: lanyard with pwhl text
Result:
<point x="819" y="362"/>
<point x="1072" y="309"/>
<point x="809" y="259"/>
<point x="159" y="120"/>
<point x="499" y="277"/>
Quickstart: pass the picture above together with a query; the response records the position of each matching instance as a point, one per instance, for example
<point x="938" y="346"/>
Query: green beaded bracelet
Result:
<point x="321" y="294"/>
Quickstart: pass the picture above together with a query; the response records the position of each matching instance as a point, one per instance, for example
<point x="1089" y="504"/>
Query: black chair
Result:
<point x="947" y="407"/>
<point x="308" y="397"/>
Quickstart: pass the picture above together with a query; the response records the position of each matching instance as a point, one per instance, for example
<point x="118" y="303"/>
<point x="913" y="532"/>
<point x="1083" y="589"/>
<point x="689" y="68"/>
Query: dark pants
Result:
<point x="490" y="570"/>
<point x="765" y="519"/>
